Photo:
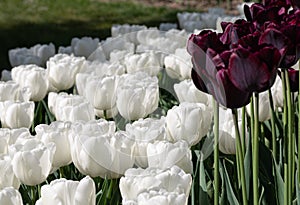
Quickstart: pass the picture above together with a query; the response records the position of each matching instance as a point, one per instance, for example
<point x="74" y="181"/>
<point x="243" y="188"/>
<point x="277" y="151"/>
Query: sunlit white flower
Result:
<point x="10" y="196"/>
<point x="138" y="181"/>
<point x="62" y="70"/>
<point x="178" y="66"/>
<point x="84" y="46"/>
<point x="127" y="31"/>
<point x="164" y="154"/>
<point x="98" y="151"/>
<point x="115" y="43"/>
<point x="68" y="107"/>
<point x="16" y="114"/>
<point x="189" y="122"/>
<point x="57" y="132"/>
<point x="143" y="132"/>
<point x="68" y="192"/>
<point x="10" y="90"/>
<point x="102" y="68"/>
<point x="11" y="135"/>
<point x="32" y="160"/>
<point x="137" y="96"/>
<point x="7" y="176"/>
<point x="186" y="91"/>
<point x="32" y="77"/>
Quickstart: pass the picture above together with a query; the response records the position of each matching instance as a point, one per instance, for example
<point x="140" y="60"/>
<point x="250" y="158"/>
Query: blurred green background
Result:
<point x="24" y="23"/>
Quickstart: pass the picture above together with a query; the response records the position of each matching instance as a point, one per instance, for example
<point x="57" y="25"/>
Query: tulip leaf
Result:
<point x="247" y="166"/>
<point x="279" y="184"/>
<point x="229" y="191"/>
<point x="202" y="179"/>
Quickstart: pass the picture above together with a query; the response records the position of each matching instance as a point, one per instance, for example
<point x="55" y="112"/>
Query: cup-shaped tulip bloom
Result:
<point x="57" y="132"/>
<point x="37" y="54"/>
<point x="100" y="68"/>
<point x="16" y="114"/>
<point x="10" y="196"/>
<point x="148" y="62"/>
<point x="98" y="151"/>
<point x="10" y="90"/>
<point x="161" y="197"/>
<point x="189" y="122"/>
<point x="34" y="78"/>
<point x="62" y="70"/>
<point x="32" y="160"/>
<point x="107" y="114"/>
<point x="164" y="154"/>
<point x="84" y="46"/>
<point x="137" y="95"/>
<point x="178" y="65"/>
<point x="70" y="107"/>
<point x="68" y="192"/>
<point x="7" y="176"/>
<point x="142" y="132"/>
<point x="264" y="108"/>
<point x="186" y="91"/>
<point x="138" y="181"/>
<point x="11" y="135"/>
<point x="99" y="91"/>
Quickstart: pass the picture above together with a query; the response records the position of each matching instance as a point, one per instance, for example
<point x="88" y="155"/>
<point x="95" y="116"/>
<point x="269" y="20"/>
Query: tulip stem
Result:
<point x="298" y="165"/>
<point x="255" y="150"/>
<point x="243" y="135"/>
<point x="274" y="147"/>
<point x="216" y="152"/>
<point x="290" y="137"/>
<point x="240" y="157"/>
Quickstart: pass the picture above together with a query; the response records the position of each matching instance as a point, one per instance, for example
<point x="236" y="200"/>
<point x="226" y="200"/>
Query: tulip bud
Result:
<point x="10" y="196"/>
<point x="62" y="191"/>
<point x="137" y="96"/>
<point x="32" y="77"/>
<point x="16" y="114"/>
<point x="62" y="70"/>
<point x="189" y="122"/>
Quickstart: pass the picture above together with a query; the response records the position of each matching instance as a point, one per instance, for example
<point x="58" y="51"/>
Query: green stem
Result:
<point x="216" y="152"/>
<point x="285" y="141"/>
<point x="255" y="150"/>
<point x="274" y="147"/>
<point x="298" y="165"/>
<point x="290" y="137"/>
<point x="243" y="135"/>
<point x="240" y="156"/>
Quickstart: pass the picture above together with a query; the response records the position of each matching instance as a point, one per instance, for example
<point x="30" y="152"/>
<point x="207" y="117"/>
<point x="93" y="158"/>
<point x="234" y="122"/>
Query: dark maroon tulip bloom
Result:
<point x="210" y="60"/>
<point x="294" y="79"/>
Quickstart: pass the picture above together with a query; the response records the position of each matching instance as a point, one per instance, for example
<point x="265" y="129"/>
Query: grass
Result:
<point x="24" y="23"/>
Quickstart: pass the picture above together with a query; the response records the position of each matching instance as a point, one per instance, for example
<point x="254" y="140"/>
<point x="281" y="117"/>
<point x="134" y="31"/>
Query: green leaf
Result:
<point x="279" y="184"/>
<point x="229" y="191"/>
<point x="247" y="166"/>
<point x="297" y="189"/>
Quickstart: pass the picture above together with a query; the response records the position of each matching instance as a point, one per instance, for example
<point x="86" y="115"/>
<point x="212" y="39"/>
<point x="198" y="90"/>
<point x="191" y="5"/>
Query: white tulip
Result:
<point x="143" y="132"/>
<point x="179" y="66"/>
<point x="68" y="107"/>
<point x="10" y="90"/>
<point x="264" y="107"/>
<point x="10" y="196"/>
<point x="5" y="75"/>
<point x="102" y="68"/>
<point x="32" y="77"/>
<point x="84" y="46"/>
<point x="7" y="176"/>
<point x="62" y="70"/>
<point x="119" y="56"/>
<point x="138" y="181"/>
<point x="116" y="43"/>
<point x="57" y="132"/>
<point x="137" y="96"/>
<point x="163" y="155"/>
<point x="32" y="160"/>
<point x="96" y="151"/>
<point x="11" y="135"/>
<point x="161" y="197"/>
<point x="99" y="91"/>
<point x="37" y="54"/>
<point x="147" y="62"/>
<point x="128" y="31"/>
<point x="186" y="91"/>
<point x="107" y="114"/>
<point x="16" y="114"/>
<point x="68" y="192"/>
<point x="277" y="93"/>
<point x="189" y="122"/>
